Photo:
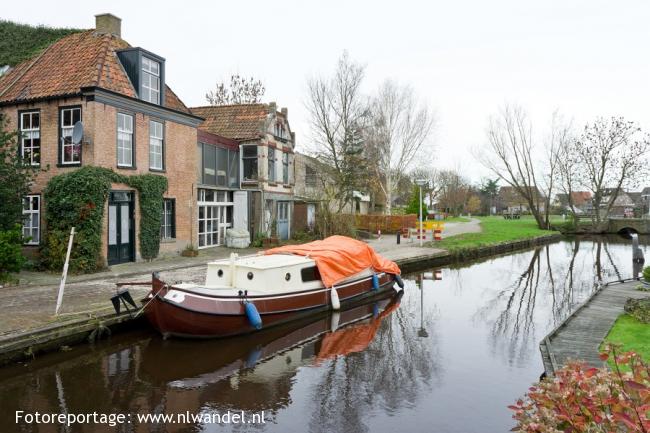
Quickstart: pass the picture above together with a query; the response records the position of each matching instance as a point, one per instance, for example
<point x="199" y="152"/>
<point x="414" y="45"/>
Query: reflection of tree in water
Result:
<point x="392" y="373"/>
<point x="551" y="285"/>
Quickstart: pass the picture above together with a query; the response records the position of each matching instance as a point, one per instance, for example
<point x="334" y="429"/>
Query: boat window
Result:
<point x="310" y="274"/>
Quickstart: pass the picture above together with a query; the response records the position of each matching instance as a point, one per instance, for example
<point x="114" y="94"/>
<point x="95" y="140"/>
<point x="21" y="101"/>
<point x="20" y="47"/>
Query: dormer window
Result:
<point x="150" y="80"/>
<point x="146" y="71"/>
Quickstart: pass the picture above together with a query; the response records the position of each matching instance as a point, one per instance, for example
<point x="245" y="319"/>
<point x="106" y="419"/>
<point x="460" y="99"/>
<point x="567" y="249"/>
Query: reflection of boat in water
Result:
<point x="197" y="364"/>
<point x="242" y="295"/>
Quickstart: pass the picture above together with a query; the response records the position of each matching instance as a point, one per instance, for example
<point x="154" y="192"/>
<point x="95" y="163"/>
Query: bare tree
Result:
<point x="433" y="177"/>
<point x="454" y="191"/>
<point x="511" y="157"/>
<point x="240" y="91"/>
<point x="558" y="140"/>
<point x="611" y="154"/>
<point x="400" y="130"/>
<point x="338" y="113"/>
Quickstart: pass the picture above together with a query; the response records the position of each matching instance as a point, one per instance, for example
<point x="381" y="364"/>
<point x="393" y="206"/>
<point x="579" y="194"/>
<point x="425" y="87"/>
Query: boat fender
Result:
<point x="334" y="296"/>
<point x="399" y="281"/>
<point x="334" y="321"/>
<point x="253" y="356"/>
<point x="253" y="315"/>
<point x="375" y="310"/>
<point x="375" y="282"/>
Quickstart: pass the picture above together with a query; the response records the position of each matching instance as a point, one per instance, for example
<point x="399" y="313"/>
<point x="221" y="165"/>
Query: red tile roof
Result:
<point x="238" y="122"/>
<point x="85" y="59"/>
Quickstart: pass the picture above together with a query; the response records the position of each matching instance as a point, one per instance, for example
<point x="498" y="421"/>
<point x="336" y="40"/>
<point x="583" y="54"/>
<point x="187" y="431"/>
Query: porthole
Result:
<point x="220" y="273"/>
<point x="250" y="275"/>
<point x="287" y="276"/>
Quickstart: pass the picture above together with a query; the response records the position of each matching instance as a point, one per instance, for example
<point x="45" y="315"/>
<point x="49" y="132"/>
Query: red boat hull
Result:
<point x="181" y="312"/>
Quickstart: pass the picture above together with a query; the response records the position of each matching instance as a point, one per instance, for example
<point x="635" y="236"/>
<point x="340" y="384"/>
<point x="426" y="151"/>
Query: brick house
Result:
<point x="132" y="123"/>
<point x="266" y="164"/>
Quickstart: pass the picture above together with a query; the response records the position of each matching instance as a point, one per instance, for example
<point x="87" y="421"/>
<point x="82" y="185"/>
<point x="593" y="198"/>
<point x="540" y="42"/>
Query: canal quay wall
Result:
<point x="580" y="335"/>
<point x="17" y="346"/>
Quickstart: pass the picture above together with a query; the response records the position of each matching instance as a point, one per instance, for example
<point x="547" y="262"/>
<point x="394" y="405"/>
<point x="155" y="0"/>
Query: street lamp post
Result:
<point x="420" y="183"/>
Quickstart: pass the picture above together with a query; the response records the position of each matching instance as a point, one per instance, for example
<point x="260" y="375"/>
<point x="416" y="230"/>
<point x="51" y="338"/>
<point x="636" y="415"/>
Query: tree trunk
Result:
<point x="389" y="195"/>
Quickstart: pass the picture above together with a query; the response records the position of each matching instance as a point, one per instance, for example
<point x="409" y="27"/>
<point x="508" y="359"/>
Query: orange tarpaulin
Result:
<point x="353" y="339"/>
<point x="339" y="257"/>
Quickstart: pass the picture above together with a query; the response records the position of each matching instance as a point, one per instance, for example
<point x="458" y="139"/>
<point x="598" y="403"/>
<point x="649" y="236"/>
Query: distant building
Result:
<point x="581" y="200"/>
<point x="311" y="182"/>
<point x="510" y="201"/>
<point x="266" y="171"/>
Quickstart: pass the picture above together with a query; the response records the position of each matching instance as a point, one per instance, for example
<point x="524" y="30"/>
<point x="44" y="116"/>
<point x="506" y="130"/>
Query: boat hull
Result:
<point x="179" y="312"/>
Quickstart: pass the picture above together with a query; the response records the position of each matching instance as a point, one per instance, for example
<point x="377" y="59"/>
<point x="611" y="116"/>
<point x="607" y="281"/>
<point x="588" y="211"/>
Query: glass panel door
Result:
<point x="121" y="234"/>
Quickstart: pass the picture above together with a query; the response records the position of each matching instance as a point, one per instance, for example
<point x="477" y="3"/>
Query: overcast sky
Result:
<point x="466" y="58"/>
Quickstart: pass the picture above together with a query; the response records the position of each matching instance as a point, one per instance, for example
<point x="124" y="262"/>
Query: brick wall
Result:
<point x="100" y="130"/>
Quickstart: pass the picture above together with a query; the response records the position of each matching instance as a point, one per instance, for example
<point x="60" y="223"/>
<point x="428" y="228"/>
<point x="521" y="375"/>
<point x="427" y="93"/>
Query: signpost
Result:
<point x="421" y="183"/>
<point x="59" y="298"/>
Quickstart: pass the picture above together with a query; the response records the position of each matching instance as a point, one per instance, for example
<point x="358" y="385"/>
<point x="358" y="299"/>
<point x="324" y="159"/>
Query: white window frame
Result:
<point x="28" y="135"/>
<point x="152" y="76"/>
<point x="156" y="145"/>
<point x="218" y="209"/>
<point x="28" y="227"/>
<point x="66" y="133"/>
<point x="168" y="223"/>
<point x="125" y="135"/>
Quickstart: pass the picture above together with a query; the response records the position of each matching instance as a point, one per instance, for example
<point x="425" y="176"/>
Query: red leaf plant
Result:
<point x="581" y="399"/>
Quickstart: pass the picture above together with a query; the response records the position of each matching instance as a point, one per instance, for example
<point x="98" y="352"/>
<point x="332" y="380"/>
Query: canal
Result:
<point x="448" y="356"/>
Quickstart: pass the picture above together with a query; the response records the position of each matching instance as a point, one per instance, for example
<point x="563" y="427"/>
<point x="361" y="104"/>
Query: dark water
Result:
<point x="449" y="356"/>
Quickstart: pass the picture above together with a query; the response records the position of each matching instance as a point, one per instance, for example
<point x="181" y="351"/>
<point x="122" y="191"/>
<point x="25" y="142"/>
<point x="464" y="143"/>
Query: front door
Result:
<point x="121" y="233"/>
<point x="283" y="220"/>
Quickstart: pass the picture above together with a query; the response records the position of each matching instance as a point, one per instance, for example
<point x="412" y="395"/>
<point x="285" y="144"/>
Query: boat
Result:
<point x="242" y="295"/>
<point x="202" y="363"/>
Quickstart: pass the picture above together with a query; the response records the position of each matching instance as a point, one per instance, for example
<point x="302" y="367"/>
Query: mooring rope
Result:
<point x="149" y="302"/>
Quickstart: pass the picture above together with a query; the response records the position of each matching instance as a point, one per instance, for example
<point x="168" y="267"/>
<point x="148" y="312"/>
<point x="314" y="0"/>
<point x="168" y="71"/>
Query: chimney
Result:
<point x="108" y="24"/>
<point x="272" y="107"/>
<point x="285" y="112"/>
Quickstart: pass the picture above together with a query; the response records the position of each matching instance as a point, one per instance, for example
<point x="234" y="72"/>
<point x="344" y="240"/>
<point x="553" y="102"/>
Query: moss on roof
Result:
<point x="19" y="42"/>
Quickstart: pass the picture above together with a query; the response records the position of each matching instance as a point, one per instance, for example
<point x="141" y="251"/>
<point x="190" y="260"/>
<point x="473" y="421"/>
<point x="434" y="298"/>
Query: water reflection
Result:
<point x="448" y="356"/>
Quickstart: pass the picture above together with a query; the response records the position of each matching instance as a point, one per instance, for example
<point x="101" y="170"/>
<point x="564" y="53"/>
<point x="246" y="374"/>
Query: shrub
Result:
<point x="646" y="274"/>
<point x="258" y="240"/>
<point x="639" y="309"/>
<point x="329" y="223"/>
<point x="585" y="399"/>
<point x="11" y="256"/>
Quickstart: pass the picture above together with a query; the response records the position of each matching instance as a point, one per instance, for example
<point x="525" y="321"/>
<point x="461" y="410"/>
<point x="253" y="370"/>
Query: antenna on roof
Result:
<point x="77" y="132"/>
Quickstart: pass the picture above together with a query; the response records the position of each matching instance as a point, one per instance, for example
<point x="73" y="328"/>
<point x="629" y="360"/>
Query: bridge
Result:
<point x="634" y="225"/>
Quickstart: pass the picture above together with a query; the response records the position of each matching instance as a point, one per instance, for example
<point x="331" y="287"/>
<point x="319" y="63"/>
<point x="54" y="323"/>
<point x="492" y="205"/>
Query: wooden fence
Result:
<point x="385" y="223"/>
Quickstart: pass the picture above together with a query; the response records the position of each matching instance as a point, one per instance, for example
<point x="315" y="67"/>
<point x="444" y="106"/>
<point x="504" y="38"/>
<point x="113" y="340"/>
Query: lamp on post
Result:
<point x="420" y="183"/>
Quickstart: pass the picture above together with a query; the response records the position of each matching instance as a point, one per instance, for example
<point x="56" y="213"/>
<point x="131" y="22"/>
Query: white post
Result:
<point x="59" y="299"/>
<point x="420" y="214"/>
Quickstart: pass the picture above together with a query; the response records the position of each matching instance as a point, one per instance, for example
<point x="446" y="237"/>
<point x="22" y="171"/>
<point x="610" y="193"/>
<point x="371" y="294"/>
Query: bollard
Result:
<point x="399" y="236"/>
<point x="437" y="235"/>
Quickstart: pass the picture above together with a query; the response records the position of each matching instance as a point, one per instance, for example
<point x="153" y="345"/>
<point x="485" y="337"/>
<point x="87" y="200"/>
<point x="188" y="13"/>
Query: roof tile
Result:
<point x="84" y="59"/>
<point x="238" y="122"/>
